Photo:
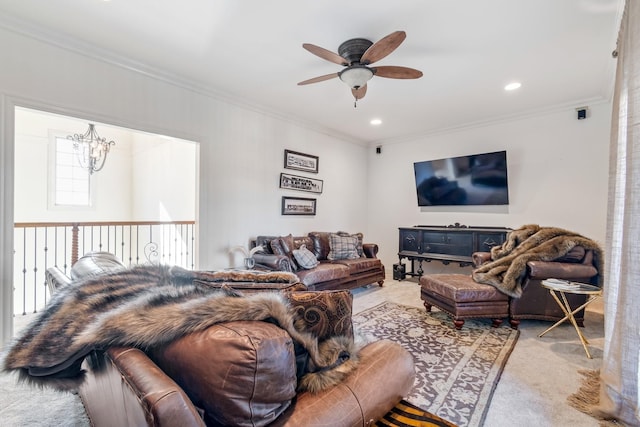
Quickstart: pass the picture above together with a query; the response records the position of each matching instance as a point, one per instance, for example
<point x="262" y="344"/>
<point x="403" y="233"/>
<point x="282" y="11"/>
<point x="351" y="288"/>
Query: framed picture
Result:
<point x="298" y="206"/>
<point x="302" y="183"/>
<point x="300" y="161"/>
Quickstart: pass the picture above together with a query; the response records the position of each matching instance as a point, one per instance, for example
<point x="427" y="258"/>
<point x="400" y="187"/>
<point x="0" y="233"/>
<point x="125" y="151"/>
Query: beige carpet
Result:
<point x="456" y="370"/>
<point x="540" y="373"/>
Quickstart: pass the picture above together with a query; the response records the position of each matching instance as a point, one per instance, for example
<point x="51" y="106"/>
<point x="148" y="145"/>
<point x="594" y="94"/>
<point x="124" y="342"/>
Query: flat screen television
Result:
<point x="478" y="179"/>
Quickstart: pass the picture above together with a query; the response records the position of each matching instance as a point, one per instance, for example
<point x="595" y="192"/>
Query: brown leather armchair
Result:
<point x="238" y="373"/>
<point x="536" y="302"/>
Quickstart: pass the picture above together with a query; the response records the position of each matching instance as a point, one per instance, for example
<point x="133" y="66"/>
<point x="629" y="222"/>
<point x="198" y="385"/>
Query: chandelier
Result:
<point x="91" y="149"/>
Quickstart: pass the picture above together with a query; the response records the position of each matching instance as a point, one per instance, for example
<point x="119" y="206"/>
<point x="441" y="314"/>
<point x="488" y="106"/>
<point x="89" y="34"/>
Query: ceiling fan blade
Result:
<point x="360" y="92"/>
<point x="392" y="72"/>
<point x="325" y="54"/>
<point x="383" y="47"/>
<point x="318" y="79"/>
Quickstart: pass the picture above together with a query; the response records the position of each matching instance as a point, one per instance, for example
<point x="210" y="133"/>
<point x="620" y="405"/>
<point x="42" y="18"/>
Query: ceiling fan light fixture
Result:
<point x="356" y="55"/>
<point x="356" y="76"/>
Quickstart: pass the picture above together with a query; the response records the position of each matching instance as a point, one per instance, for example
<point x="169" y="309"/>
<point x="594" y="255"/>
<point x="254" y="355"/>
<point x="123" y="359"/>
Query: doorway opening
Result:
<point x="141" y="206"/>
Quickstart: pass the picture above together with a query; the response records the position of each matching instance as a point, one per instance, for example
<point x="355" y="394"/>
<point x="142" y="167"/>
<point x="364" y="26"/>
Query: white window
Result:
<point x="71" y="182"/>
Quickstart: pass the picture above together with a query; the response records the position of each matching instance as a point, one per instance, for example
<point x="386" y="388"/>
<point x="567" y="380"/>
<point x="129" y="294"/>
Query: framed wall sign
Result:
<point x="298" y="206"/>
<point x="302" y="183"/>
<point x="300" y="161"/>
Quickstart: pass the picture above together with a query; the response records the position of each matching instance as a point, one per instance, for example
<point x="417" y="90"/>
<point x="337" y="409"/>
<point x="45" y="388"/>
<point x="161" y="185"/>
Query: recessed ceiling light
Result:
<point x="376" y="122"/>
<point x="513" y="86"/>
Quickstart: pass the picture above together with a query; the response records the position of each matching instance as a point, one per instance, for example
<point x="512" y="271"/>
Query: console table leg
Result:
<point x="420" y="270"/>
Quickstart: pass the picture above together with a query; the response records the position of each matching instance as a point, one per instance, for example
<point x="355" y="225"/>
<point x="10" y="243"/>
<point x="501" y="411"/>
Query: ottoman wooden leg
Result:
<point x="458" y="323"/>
<point x="427" y="306"/>
<point x="496" y="323"/>
<point x="514" y="323"/>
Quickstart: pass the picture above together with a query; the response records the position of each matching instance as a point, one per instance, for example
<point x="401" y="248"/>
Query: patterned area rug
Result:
<point x="456" y="371"/>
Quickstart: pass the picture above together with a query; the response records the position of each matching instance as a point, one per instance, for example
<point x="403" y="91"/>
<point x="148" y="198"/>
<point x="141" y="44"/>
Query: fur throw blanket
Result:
<point x="148" y="306"/>
<point x="508" y="265"/>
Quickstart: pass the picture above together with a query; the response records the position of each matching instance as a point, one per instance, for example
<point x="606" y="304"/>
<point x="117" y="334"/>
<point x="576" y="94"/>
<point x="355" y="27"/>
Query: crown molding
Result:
<point x="528" y="114"/>
<point x="88" y="50"/>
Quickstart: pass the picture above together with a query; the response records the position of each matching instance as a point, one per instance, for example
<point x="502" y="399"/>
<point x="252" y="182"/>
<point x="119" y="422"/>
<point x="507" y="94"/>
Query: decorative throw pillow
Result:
<point x="360" y="238"/>
<point x="305" y="258"/>
<point x="325" y="314"/>
<point x="343" y="247"/>
<point x="265" y="242"/>
<point x="320" y="244"/>
<point x="284" y="246"/>
<point x="276" y="247"/>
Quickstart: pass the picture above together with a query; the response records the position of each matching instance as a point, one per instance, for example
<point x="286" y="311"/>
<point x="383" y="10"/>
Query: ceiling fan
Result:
<point x="356" y="55"/>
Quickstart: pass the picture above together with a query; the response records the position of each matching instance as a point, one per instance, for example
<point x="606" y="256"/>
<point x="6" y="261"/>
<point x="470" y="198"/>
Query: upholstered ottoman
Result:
<point x="461" y="297"/>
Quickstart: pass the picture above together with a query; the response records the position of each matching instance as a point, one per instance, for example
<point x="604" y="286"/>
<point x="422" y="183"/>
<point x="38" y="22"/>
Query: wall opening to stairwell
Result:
<point x="143" y="202"/>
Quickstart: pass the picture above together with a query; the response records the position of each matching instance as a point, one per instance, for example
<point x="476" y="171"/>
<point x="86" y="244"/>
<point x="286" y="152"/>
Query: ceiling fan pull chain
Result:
<point x="355" y="102"/>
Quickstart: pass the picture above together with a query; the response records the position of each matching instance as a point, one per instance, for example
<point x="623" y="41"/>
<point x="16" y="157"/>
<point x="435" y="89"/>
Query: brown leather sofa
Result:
<point x="329" y="274"/>
<point x="536" y="302"/>
<point x="238" y="373"/>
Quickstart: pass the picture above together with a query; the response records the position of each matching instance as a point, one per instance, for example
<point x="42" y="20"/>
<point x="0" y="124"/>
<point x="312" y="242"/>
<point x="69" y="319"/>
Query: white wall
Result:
<point x="241" y="149"/>
<point x="112" y="191"/>
<point x="164" y="179"/>
<point x="240" y="181"/>
<point x="557" y="166"/>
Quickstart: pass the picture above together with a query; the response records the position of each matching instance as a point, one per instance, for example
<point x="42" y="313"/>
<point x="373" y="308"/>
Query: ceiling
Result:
<point x="250" y="52"/>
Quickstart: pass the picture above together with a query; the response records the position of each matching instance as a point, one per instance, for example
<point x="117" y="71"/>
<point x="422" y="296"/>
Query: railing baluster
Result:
<point x="180" y="240"/>
<point x="35" y="268"/>
<point x="193" y="247"/>
<point x="46" y="262"/>
<point x="65" y="250"/>
<point x="39" y="251"/>
<point x="24" y="271"/>
<point x="175" y="244"/>
<point x="166" y="238"/>
<point x="137" y="244"/>
<point x="74" y="243"/>
<point x="122" y="242"/>
<point x="84" y="239"/>
<point x="55" y="245"/>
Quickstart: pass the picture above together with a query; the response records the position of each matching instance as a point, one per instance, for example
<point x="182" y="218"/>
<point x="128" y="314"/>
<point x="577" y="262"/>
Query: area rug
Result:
<point x="404" y="414"/>
<point x="456" y="370"/>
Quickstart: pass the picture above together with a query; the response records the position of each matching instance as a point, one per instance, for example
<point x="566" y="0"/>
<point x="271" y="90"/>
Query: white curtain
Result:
<point x="620" y="369"/>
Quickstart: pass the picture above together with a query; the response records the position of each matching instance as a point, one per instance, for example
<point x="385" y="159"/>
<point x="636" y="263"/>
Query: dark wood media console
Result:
<point x="452" y="243"/>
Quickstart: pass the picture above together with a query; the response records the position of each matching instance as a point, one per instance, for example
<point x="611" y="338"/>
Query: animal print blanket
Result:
<point x="531" y="242"/>
<point x="148" y="306"/>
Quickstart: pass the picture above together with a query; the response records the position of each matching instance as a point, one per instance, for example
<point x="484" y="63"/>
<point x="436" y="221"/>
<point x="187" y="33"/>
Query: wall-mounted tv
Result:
<point x="478" y="179"/>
